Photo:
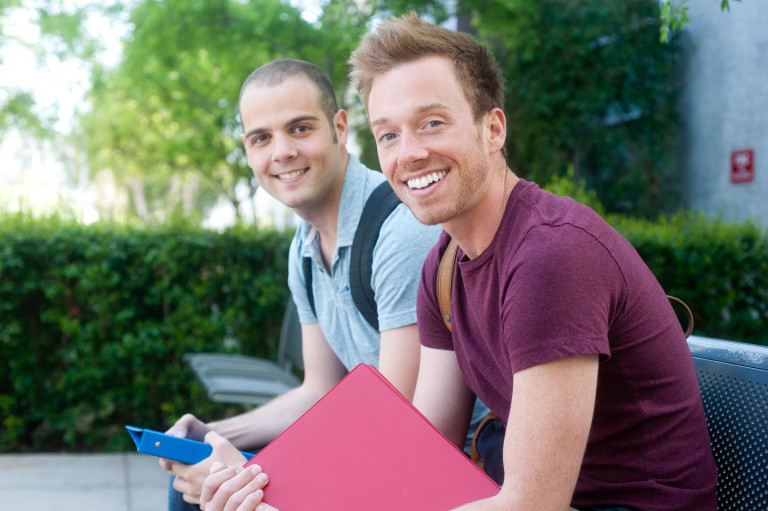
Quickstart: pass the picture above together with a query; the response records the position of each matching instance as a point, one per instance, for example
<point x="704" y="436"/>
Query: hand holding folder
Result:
<point x="364" y="446"/>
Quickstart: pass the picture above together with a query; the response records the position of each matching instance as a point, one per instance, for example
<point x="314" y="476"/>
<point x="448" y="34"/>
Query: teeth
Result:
<point x="291" y="175"/>
<point x="424" y="181"/>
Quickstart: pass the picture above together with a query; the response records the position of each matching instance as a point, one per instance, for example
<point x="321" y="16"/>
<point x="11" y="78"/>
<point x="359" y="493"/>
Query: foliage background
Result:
<point x="94" y="322"/>
<point x="589" y="86"/>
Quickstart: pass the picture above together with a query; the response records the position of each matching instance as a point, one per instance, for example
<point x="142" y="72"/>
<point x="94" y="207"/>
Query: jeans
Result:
<point x="490" y="446"/>
<point x="176" y="502"/>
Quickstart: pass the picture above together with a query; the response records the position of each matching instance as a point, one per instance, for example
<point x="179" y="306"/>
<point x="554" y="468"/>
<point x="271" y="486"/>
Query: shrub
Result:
<point x="94" y="322"/>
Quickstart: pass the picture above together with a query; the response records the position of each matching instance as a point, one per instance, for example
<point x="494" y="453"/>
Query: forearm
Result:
<point x="322" y="370"/>
<point x="399" y="358"/>
<point x="261" y="425"/>
<point x="496" y="503"/>
<point x="551" y="413"/>
<point x="442" y="395"/>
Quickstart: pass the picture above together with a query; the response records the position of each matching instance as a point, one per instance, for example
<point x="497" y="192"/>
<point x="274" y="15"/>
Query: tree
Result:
<point x="16" y="106"/>
<point x="674" y="16"/>
<point x="590" y="87"/>
<point x="167" y="113"/>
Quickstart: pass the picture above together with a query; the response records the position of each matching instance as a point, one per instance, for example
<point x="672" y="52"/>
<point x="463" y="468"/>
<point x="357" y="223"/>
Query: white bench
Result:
<point x="230" y="378"/>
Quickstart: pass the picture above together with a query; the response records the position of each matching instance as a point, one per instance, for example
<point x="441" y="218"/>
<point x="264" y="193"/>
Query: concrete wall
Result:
<point x="725" y="107"/>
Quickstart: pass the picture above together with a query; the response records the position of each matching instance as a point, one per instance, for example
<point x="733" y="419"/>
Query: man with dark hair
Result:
<point x="295" y="137"/>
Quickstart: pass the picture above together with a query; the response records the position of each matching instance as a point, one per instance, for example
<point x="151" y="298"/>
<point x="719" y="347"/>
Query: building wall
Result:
<point x="725" y="107"/>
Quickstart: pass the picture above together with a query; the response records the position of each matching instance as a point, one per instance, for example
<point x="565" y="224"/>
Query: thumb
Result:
<point x="214" y="439"/>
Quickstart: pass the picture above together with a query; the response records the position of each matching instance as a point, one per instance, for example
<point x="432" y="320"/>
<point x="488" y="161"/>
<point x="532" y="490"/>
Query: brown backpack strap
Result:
<point x="674" y="299"/>
<point x="445" y="281"/>
<point x="474" y="453"/>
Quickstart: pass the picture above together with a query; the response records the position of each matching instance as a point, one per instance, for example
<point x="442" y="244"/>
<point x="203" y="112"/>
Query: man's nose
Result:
<point x="284" y="148"/>
<point x="411" y="150"/>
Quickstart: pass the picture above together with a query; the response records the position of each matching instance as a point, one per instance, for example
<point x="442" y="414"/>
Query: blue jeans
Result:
<point x="176" y="502"/>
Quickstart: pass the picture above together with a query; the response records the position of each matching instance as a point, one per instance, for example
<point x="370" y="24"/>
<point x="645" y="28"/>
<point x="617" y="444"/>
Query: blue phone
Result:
<point x="171" y="447"/>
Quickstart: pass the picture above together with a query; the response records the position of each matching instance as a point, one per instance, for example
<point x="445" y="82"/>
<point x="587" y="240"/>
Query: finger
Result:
<point x="215" y="440"/>
<point x="252" y="501"/>
<point x="181" y="427"/>
<point x="190" y="499"/>
<point x="217" y="466"/>
<point x="214" y="481"/>
<point x="165" y="464"/>
<point x="178" y="468"/>
<point x="223" y="450"/>
<point x="180" y="484"/>
<point x="249" y="496"/>
<point x="231" y="493"/>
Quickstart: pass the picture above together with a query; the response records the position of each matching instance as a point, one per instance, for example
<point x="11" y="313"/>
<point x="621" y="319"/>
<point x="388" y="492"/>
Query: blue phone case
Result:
<point x="171" y="447"/>
<point x="167" y="446"/>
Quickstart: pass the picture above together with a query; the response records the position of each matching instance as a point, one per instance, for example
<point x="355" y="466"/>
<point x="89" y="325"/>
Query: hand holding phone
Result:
<point x="171" y="447"/>
<point x="168" y="446"/>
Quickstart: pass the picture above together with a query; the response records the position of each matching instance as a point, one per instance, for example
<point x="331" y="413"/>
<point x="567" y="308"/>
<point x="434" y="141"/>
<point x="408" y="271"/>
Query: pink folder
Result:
<point x="364" y="447"/>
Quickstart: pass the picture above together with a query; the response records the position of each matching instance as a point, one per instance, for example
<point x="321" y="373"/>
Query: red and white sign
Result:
<point x="743" y="166"/>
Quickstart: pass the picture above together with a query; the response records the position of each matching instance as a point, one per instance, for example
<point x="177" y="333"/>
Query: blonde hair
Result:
<point x="399" y="40"/>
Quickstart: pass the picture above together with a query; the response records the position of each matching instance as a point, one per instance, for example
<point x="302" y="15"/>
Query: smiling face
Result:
<point x="435" y="155"/>
<point x="295" y="153"/>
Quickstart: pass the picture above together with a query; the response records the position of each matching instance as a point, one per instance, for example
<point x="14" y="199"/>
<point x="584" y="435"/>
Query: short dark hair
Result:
<point x="277" y="71"/>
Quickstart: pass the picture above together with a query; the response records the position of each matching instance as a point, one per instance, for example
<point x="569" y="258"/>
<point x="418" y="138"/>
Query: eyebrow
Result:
<point x="420" y="109"/>
<point x="291" y="122"/>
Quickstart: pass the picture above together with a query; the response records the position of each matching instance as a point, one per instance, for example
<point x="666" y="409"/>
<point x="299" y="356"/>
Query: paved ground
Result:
<point x="89" y="482"/>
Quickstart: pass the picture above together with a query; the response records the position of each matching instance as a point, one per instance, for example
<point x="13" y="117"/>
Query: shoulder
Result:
<point x="402" y="218"/>
<point x="402" y="233"/>
<point x="369" y="179"/>
<point x="563" y="251"/>
<point x="547" y="228"/>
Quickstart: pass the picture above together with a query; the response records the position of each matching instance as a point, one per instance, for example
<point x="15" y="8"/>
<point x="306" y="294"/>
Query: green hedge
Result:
<point x="94" y="322"/>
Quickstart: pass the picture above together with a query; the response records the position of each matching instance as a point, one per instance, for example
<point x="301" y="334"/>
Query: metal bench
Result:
<point x="733" y="378"/>
<point x="230" y="378"/>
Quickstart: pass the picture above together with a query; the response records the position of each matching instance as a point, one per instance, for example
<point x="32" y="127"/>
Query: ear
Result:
<point x="497" y="130"/>
<point x="341" y="126"/>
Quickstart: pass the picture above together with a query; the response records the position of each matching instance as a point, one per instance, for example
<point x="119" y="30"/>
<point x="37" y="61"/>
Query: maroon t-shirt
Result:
<point x="557" y="281"/>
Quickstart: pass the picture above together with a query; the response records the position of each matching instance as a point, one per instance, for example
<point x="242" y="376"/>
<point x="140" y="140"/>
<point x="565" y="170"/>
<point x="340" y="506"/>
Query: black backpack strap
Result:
<point x="377" y="209"/>
<point x="307" y="266"/>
